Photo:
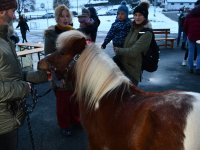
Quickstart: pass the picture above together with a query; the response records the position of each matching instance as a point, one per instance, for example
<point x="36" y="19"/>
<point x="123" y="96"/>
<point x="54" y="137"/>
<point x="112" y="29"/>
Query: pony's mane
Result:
<point x="96" y="75"/>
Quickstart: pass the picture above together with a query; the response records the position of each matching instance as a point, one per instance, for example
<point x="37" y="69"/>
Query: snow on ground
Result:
<point x="158" y="21"/>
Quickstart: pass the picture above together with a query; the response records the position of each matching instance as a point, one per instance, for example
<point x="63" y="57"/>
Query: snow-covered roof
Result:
<point x="182" y="1"/>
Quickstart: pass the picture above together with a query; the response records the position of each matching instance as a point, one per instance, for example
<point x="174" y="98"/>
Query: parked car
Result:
<point x="112" y="12"/>
<point x="74" y="13"/>
<point x="48" y="15"/>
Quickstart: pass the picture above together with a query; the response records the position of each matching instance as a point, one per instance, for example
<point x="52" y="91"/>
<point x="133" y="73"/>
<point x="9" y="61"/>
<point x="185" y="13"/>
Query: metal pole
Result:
<point x="77" y="6"/>
<point x="47" y="14"/>
<point x="154" y="8"/>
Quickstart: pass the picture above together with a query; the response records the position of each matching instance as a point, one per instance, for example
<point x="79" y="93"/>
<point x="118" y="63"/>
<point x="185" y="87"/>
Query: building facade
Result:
<point x="170" y="5"/>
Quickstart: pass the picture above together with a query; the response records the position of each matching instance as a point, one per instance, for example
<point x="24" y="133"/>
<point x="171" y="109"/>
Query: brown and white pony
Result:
<point x="115" y="114"/>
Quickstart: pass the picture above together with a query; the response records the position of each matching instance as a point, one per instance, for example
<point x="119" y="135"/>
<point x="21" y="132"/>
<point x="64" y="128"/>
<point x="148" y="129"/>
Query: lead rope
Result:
<point x="28" y="108"/>
<point x="30" y="131"/>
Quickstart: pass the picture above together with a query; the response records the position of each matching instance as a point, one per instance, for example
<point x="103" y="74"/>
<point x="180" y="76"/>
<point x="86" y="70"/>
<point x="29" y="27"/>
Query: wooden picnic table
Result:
<point x="29" y="49"/>
<point x="166" y="38"/>
<point x="30" y="44"/>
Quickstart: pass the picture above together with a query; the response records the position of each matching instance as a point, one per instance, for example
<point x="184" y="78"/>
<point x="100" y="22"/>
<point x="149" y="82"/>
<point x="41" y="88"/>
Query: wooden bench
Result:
<point x="168" y="41"/>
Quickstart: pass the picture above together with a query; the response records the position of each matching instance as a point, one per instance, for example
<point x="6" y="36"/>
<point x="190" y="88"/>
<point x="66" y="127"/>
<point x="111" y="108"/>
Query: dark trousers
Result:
<point x="180" y="32"/>
<point x="67" y="109"/>
<point x="8" y="141"/>
<point x="23" y="33"/>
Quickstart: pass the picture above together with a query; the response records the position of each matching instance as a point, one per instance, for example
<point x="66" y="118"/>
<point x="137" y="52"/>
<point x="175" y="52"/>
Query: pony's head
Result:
<point x="71" y="42"/>
<point x="94" y="73"/>
<point x="69" y="46"/>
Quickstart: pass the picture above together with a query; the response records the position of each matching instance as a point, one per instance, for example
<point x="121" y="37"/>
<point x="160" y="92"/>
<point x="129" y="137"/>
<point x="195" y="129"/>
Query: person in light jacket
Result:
<point x="14" y="83"/>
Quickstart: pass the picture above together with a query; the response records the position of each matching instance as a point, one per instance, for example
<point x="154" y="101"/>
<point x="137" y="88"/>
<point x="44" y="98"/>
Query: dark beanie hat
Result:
<point x="197" y="3"/>
<point x="85" y="13"/>
<point x="143" y="9"/>
<point x="7" y="4"/>
<point x="123" y="8"/>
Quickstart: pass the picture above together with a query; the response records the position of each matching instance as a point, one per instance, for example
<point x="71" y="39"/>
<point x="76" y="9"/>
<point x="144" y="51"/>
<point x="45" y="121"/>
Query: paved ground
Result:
<point x="170" y="75"/>
<point x="172" y="15"/>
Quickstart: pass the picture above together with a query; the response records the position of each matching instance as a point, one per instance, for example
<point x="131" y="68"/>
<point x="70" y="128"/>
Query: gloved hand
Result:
<point x="103" y="46"/>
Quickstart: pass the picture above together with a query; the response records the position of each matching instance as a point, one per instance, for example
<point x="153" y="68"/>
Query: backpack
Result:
<point x="151" y="58"/>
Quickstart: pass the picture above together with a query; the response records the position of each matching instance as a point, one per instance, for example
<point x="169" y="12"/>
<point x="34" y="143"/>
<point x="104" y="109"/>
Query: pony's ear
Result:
<point x="79" y="46"/>
<point x="71" y="42"/>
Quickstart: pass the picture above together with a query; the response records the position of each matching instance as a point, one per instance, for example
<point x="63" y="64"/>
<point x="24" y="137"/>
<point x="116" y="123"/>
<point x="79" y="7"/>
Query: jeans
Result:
<point x="180" y="31"/>
<point x="191" y="51"/>
<point x="195" y="54"/>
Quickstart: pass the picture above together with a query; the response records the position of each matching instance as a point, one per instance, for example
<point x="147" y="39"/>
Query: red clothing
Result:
<point x="192" y="24"/>
<point x="67" y="109"/>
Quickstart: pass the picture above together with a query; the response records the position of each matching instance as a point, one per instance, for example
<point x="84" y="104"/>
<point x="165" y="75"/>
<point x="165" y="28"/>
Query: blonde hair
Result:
<point x="96" y="75"/>
<point x="58" y="12"/>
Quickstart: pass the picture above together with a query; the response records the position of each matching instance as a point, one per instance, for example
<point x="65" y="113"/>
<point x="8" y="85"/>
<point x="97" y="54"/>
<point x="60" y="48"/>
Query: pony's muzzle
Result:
<point x="43" y="65"/>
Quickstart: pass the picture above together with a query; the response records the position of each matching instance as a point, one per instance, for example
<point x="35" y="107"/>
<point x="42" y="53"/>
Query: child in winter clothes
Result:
<point x="119" y="28"/>
<point x="84" y="19"/>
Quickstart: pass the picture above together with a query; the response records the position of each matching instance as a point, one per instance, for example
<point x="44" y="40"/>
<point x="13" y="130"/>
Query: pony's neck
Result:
<point x="97" y="75"/>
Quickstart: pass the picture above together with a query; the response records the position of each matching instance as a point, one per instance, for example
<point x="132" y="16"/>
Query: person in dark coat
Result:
<point x="192" y="30"/>
<point x="89" y="23"/>
<point x="95" y="25"/>
<point x="23" y="28"/>
<point x="181" y="19"/>
<point x="85" y="23"/>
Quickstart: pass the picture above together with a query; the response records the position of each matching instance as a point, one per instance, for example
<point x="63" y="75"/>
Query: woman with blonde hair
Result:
<point x="67" y="111"/>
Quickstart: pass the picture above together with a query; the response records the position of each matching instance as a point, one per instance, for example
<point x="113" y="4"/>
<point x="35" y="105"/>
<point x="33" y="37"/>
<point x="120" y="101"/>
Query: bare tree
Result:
<point x="20" y="6"/>
<point x="58" y="2"/>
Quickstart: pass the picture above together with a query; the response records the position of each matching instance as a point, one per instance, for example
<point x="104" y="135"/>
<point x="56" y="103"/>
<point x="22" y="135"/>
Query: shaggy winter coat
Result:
<point x="131" y="55"/>
<point x="50" y="37"/>
<point x="12" y="87"/>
